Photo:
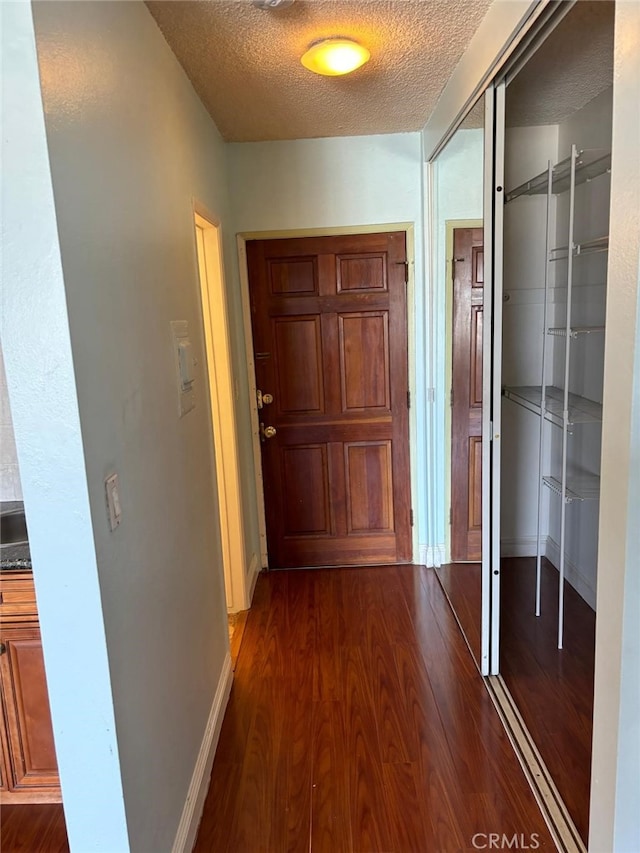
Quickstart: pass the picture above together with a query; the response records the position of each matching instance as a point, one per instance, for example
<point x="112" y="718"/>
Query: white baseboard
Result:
<point x="571" y="572"/>
<point x="525" y="546"/>
<point x="431" y="555"/>
<point x="192" y="812"/>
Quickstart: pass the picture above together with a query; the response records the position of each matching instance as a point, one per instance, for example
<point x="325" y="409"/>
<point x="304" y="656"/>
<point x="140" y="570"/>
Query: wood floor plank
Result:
<point x="369" y="828"/>
<point x="397" y="742"/>
<point x="213" y="833"/>
<point x="330" y="635"/>
<point x="255" y="808"/>
<point x="408" y="812"/>
<point x="330" y="812"/>
<point x="438" y="786"/>
<point x="290" y="829"/>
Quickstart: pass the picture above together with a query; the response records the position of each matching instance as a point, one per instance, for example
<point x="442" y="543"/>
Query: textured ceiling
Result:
<point x="245" y="63"/>
<point x="571" y="68"/>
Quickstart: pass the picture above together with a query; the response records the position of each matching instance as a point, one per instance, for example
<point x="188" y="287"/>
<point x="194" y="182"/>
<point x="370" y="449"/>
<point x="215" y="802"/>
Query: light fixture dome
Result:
<point x="335" y="56"/>
<point x="267" y="5"/>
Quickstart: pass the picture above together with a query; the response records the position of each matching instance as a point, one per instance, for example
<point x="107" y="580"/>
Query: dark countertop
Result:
<point x="15" y="556"/>
<point x="14" y="553"/>
<point x="8" y="507"/>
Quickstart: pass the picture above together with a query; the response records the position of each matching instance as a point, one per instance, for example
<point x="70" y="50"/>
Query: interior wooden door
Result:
<point x="329" y="325"/>
<point x="466" y="419"/>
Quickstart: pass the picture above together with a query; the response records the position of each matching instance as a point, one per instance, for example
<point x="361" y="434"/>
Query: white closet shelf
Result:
<point x="588" y="247"/>
<point x="590" y="164"/>
<point x="581" y="410"/>
<point x="574" y="331"/>
<point x="580" y="487"/>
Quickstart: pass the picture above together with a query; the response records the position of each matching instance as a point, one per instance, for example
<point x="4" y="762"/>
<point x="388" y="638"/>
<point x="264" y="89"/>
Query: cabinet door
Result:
<point x="32" y="757"/>
<point x="3" y="765"/>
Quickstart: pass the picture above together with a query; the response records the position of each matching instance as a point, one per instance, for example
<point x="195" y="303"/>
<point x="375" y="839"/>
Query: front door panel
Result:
<point x="330" y="343"/>
<point x="466" y="467"/>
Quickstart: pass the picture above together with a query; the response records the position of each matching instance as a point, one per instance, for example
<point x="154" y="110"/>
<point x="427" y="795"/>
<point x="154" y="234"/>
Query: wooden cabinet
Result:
<point x="28" y="767"/>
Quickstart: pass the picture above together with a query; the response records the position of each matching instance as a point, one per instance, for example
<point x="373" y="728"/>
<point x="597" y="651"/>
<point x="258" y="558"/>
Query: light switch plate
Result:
<point x="113" y="500"/>
<point x="184" y="364"/>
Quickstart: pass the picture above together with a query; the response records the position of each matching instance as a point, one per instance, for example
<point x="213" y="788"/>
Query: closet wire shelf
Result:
<point x="580" y="487"/>
<point x="574" y="331"/>
<point x="581" y="410"/>
<point x="590" y="164"/>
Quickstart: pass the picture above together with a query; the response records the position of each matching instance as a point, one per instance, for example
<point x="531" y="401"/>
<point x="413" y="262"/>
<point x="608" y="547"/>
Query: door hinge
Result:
<point x="408" y="399"/>
<point x="451" y="398"/>
<point x="405" y="264"/>
<point x="411" y="517"/>
<point x="450" y="516"/>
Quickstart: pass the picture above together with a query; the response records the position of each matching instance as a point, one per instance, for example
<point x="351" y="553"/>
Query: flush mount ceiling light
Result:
<point x="335" y="56"/>
<point x="265" y="5"/>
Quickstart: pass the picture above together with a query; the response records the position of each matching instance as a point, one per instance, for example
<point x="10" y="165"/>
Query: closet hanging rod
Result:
<point x="588" y="247"/>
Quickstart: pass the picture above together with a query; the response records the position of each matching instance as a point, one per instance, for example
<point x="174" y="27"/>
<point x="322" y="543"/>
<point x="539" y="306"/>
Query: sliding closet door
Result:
<point x="491" y="375"/>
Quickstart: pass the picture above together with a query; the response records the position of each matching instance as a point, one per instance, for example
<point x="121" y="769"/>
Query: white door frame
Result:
<point x="491" y="376"/>
<point x="223" y="416"/>
<point x="242" y="239"/>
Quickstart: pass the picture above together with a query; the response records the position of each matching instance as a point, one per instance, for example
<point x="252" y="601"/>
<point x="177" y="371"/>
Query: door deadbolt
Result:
<point x="263" y="399"/>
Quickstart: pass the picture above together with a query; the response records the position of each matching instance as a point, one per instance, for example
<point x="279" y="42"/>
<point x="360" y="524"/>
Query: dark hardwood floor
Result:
<point x="553" y="689"/>
<point x="36" y="828"/>
<point x="358" y="722"/>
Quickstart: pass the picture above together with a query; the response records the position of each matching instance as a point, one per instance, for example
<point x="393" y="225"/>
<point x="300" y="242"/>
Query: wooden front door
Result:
<point x="329" y="325"/>
<point x="466" y="450"/>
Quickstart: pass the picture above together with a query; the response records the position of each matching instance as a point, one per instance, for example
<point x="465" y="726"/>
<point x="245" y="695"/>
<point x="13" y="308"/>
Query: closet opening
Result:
<point x="550" y="237"/>
<point x="556" y="215"/>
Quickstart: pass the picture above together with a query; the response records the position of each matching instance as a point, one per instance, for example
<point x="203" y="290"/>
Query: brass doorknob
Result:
<point x="266" y="432"/>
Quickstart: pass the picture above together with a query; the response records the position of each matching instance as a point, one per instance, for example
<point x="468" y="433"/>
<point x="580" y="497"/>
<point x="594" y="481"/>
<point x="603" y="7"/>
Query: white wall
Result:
<point x="130" y="146"/>
<point x="10" y="485"/>
<point x="458" y="194"/>
<point x="615" y="782"/>
<point x="333" y="183"/>
<point x="527" y="153"/>
<point x="588" y="128"/>
<point x="41" y="383"/>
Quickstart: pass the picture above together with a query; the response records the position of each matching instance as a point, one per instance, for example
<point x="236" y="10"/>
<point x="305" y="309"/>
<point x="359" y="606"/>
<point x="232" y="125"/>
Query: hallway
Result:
<point x="358" y="722"/>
